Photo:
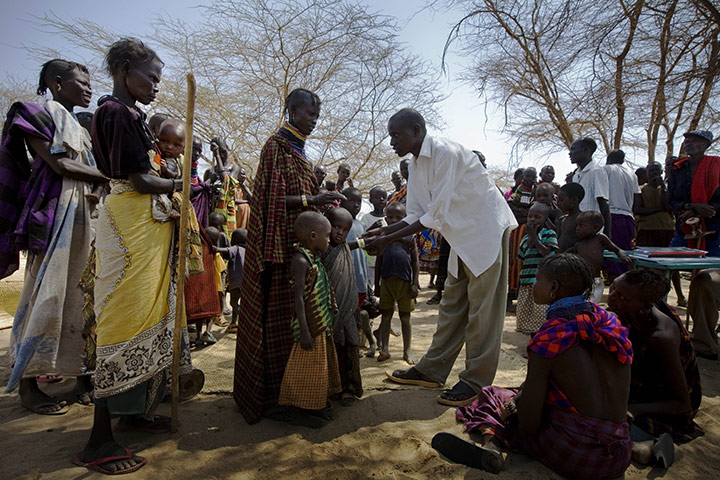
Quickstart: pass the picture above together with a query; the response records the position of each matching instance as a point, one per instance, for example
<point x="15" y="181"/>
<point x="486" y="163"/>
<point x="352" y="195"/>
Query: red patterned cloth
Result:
<point x="574" y="319"/>
<point x="264" y="337"/>
<point x="705" y="182"/>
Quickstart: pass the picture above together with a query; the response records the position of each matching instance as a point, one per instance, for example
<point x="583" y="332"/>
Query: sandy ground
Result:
<point x="386" y="435"/>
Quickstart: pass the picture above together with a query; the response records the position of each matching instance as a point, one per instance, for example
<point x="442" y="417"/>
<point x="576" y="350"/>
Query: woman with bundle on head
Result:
<point x="285" y="186"/>
<point x="45" y="211"/>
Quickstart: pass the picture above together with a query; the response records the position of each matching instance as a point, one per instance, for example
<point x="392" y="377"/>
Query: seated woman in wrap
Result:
<point x="570" y="413"/>
<point x="665" y="391"/>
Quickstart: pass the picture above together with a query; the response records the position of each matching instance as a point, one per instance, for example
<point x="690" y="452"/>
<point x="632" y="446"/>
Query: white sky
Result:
<point x="467" y="119"/>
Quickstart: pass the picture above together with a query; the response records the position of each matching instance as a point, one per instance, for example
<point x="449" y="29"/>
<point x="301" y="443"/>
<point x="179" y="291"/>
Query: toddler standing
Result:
<point x="311" y="375"/>
<point x="397" y="279"/>
<point x="537" y="243"/>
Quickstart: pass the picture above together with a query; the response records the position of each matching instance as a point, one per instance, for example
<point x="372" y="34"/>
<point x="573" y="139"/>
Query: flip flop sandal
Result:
<point x="84" y="398"/>
<point x="232" y="328"/>
<point x="464" y="395"/>
<point x="663" y="451"/>
<point x="469" y="454"/>
<point x="191" y="384"/>
<point x="50" y="378"/>
<point x="403" y="377"/>
<point x="97" y="465"/>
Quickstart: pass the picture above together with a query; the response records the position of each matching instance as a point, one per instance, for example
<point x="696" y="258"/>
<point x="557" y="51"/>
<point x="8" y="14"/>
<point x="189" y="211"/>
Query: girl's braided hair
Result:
<point x="54" y="68"/>
<point x="569" y="270"/>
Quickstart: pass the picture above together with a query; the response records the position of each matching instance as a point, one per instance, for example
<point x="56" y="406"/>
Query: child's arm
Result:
<point x="415" y="266"/>
<point x="298" y="270"/>
<point x="223" y="251"/>
<point x="609" y="245"/>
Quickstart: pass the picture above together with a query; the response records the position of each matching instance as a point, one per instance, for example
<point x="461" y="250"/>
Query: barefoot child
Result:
<point x="352" y="203"/>
<point x="397" y="279"/>
<point x="220" y="268"/>
<point x="338" y="262"/>
<point x="235" y="256"/>
<point x="557" y="415"/>
<point x="218" y="220"/>
<point x="569" y="198"/>
<point x="591" y="245"/>
<point x="538" y="242"/>
<point x="311" y="375"/>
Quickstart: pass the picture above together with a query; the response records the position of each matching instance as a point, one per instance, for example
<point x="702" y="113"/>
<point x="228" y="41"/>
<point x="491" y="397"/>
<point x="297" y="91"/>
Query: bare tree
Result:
<point x="628" y="72"/>
<point x="247" y="55"/>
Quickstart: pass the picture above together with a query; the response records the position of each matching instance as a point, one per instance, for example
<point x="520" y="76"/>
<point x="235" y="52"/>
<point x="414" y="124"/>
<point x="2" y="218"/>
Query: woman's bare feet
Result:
<point x="383" y="356"/>
<point x="37" y="401"/>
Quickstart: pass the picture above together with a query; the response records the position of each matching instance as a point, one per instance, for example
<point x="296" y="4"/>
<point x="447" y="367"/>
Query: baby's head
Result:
<point x="217" y="220"/>
<point x="353" y="201"/>
<point x="238" y="237"/>
<point x="340" y="224"/>
<point x="545" y="193"/>
<point x="312" y="231"/>
<point x="171" y="138"/>
<point x="562" y="275"/>
<point x="588" y="224"/>
<point x="330" y="185"/>
<point x="394" y="212"/>
<point x="214" y="234"/>
<point x="155" y="122"/>
<point x="570" y="196"/>
<point x="378" y="197"/>
<point x="538" y="214"/>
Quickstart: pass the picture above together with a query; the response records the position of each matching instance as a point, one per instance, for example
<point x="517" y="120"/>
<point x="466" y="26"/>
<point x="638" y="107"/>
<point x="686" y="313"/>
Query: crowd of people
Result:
<point x="97" y="208"/>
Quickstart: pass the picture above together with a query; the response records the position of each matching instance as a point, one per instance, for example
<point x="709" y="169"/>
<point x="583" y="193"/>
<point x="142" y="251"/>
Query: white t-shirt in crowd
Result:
<point x="594" y="180"/>
<point x="623" y="186"/>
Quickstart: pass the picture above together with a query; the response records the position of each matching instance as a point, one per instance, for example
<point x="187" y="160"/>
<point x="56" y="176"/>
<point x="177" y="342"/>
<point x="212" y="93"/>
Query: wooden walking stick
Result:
<point x="182" y="248"/>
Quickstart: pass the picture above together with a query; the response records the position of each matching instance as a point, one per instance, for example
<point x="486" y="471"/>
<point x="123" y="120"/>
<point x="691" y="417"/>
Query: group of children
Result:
<point x="553" y="223"/>
<point x="332" y="282"/>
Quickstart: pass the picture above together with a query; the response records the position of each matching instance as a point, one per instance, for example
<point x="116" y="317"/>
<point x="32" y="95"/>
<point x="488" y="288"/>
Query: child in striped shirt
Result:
<point x="537" y="243"/>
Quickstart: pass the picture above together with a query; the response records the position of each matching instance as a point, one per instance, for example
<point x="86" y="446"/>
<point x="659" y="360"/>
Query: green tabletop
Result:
<point x="667" y="263"/>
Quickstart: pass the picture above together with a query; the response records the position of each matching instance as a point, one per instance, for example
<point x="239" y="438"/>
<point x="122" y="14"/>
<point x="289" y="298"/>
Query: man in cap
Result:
<point x="693" y="193"/>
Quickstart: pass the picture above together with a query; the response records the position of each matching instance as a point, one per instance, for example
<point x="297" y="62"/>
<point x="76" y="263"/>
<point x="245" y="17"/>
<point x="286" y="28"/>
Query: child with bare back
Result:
<point x="558" y="415"/>
<point x="396" y="276"/>
<point x="569" y="198"/>
<point x="591" y="246"/>
<point x="311" y="375"/>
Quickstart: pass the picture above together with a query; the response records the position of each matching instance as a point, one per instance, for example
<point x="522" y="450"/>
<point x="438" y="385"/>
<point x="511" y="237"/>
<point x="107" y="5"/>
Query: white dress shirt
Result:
<point x="449" y="190"/>
<point x="623" y="186"/>
<point x="594" y="180"/>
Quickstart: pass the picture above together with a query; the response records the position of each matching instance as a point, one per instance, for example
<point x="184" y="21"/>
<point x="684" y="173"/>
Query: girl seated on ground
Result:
<point x="570" y="413"/>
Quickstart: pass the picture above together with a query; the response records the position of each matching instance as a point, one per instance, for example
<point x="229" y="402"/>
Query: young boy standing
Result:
<point x="569" y="198"/>
<point x="338" y="262"/>
<point x="311" y="375"/>
<point x="352" y="203"/>
<point x="537" y="243"/>
<point x="235" y="257"/>
<point x="375" y="219"/>
<point x="591" y="246"/>
<point x="396" y="277"/>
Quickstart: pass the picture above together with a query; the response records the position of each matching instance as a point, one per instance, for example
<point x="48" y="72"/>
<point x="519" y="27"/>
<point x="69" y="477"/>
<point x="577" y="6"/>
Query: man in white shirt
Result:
<point x="449" y="190"/>
<point x="622" y="188"/>
<point x="593" y="179"/>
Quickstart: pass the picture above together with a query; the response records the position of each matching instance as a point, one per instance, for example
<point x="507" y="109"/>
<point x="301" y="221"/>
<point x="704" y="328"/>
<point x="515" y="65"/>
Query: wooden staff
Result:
<point x="182" y="248"/>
